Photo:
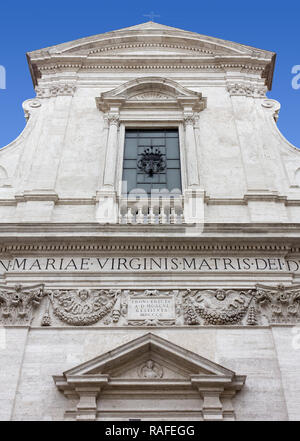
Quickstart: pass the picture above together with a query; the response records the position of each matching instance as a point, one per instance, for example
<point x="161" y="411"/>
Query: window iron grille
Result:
<point x="152" y="161"/>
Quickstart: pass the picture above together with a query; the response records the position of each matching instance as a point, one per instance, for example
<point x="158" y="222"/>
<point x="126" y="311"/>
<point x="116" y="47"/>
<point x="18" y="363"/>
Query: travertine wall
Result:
<point x="265" y="355"/>
<point x="61" y="154"/>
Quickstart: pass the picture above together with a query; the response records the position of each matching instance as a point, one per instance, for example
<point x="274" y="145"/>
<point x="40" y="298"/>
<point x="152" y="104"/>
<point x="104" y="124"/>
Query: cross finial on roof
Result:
<point x="151" y="15"/>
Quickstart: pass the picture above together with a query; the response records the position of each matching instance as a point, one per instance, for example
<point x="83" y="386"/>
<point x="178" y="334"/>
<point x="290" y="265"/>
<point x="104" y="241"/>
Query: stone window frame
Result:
<point x="144" y="125"/>
<point x="154" y="102"/>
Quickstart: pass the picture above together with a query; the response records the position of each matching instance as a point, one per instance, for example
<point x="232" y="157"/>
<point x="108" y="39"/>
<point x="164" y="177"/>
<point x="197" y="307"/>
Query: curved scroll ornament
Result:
<point x="18" y="302"/>
<point x="272" y="106"/>
<point x="83" y="307"/>
<point x="216" y="307"/>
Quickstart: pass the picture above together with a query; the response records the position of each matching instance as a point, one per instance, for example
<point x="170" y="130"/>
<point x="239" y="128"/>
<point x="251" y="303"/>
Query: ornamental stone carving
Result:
<point x="273" y="106"/>
<point x="84" y="306"/>
<point x="17" y="303"/>
<point x="246" y="89"/>
<point x="216" y="307"/>
<point x="262" y="305"/>
<point x="113" y="119"/>
<point x="55" y="90"/>
<point x="29" y="107"/>
<point x="150" y="369"/>
<point x="190" y="119"/>
<point x="151" y="96"/>
<point x="278" y="304"/>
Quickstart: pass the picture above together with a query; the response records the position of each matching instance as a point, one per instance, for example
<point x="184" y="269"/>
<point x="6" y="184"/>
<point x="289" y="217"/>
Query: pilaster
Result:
<point x="107" y="207"/>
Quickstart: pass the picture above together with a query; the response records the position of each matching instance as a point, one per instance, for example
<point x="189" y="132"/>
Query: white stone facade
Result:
<point x="103" y="297"/>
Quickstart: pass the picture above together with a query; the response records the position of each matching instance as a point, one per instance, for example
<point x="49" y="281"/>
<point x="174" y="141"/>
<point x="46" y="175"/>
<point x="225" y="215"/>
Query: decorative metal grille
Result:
<point x="152" y="161"/>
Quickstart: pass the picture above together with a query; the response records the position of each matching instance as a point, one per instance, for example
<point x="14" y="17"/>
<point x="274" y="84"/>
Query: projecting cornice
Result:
<point x="151" y="90"/>
<point x="151" y="46"/>
<point x="33" y="239"/>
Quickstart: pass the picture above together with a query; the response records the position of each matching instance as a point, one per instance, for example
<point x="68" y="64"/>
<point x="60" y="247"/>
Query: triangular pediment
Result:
<point x="149" y="44"/>
<point x="153" y="33"/>
<point x="149" y="347"/>
<point x="145" y="367"/>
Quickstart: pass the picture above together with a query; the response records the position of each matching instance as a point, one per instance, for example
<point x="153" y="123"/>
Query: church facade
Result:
<point x="150" y="235"/>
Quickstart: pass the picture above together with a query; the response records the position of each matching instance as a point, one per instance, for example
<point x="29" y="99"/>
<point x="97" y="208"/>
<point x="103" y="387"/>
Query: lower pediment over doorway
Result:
<point x="149" y="378"/>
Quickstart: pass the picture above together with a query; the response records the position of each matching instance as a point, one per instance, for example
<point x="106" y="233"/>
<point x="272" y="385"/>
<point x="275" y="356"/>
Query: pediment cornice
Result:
<point x="154" y="46"/>
<point x="211" y="381"/>
<point x="149" y="90"/>
<point x="155" y="36"/>
<point x="105" y="363"/>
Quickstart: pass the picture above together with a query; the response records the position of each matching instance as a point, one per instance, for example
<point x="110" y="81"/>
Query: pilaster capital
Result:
<point x="190" y="119"/>
<point x="112" y="119"/>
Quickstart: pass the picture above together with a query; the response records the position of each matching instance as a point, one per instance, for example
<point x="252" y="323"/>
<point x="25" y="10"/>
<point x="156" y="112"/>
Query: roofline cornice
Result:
<point x="205" y="52"/>
<point x="42" y="237"/>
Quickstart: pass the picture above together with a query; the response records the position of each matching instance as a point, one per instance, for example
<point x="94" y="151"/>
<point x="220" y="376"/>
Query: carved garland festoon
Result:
<point x="217" y="307"/>
<point x="82" y="307"/>
<point x="262" y="305"/>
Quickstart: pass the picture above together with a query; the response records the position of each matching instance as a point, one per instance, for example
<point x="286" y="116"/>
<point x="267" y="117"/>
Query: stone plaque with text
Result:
<point x="144" y="308"/>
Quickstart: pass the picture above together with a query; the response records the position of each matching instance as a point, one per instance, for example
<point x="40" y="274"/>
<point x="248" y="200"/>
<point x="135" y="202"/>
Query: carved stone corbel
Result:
<point x="87" y="388"/>
<point x="217" y="392"/>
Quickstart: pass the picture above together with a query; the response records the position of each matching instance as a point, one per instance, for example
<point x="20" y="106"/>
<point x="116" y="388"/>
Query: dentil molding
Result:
<point x="157" y="247"/>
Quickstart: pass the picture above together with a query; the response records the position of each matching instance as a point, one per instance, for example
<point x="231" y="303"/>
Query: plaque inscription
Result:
<point x="144" y="308"/>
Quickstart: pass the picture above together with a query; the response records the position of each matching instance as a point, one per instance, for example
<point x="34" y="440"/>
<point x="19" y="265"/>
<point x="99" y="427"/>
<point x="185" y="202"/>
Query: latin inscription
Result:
<point x="152" y="264"/>
<point x="151" y="308"/>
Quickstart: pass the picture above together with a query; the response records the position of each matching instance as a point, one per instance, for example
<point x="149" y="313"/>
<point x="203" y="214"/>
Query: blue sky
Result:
<point x="29" y="25"/>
